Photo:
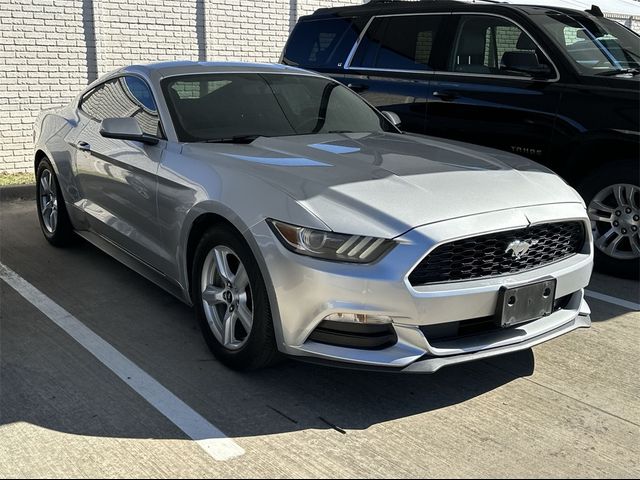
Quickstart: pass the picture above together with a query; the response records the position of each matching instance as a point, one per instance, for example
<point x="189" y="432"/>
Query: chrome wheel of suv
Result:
<point x="615" y="218"/>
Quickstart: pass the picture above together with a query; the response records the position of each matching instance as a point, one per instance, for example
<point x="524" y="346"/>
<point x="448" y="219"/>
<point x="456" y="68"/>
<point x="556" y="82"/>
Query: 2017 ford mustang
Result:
<point x="298" y="219"/>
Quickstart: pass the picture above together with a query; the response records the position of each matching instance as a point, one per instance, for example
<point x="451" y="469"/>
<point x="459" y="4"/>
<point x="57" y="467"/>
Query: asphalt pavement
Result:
<point x="567" y="408"/>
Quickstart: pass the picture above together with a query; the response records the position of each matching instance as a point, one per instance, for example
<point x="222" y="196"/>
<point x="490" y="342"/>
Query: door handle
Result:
<point x="83" y="146"/>
<point x="446" y="95"/>
<point x="358" y="87"/>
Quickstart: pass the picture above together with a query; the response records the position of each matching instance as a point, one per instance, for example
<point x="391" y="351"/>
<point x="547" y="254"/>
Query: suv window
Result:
<point x="123" y="97"/>
<point x="597" y="46"/>
<point x="315" y="43"/>
<point x="493" y="45"/>
<point x="401" y="42"/>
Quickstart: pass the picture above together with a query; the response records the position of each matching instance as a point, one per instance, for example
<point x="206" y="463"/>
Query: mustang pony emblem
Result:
<point x="519" y="247"/>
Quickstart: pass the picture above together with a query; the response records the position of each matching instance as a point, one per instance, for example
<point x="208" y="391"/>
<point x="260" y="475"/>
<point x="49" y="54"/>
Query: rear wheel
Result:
<point x="231" y="301"/>
<point x="612" y="195"/>
<point x="52" y="211"/>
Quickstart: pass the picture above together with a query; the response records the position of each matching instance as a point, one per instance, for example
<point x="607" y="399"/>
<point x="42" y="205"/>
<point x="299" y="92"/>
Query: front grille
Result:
<point x="487" y="256"/>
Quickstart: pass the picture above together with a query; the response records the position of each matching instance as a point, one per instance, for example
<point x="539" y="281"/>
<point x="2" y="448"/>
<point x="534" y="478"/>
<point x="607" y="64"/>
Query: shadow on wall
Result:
<point x="293" y="14"/>
<point x="89" y="32"/>
<point x="201" y="32"/>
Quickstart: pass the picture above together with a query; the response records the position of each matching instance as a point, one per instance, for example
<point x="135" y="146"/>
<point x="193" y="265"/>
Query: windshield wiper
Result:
<point x="233" y="139"/>
<point x="622" y="71"/>
<point x="341" y="131"/>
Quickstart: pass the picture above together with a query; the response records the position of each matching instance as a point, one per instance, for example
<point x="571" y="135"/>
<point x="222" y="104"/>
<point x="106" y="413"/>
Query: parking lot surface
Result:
<point x="569" y="407"/>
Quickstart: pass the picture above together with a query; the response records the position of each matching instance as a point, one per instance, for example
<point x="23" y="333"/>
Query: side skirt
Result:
<point x="135" y="264"/>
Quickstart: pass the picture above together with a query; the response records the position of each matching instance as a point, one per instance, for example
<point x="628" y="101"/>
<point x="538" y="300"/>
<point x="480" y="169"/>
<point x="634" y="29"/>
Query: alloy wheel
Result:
<point x="48" y="200"/>
<point x="615" y="219"/>
<point x="226" y="297"/>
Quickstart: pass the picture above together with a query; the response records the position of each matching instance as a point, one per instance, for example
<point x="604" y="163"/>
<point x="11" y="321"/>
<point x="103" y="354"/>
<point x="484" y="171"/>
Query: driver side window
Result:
<point x="488" y="45"/>
<point x="125" y="96"/>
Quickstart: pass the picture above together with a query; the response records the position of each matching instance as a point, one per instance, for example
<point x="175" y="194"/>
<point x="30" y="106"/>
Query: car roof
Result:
<point x="165" y="69"/>
<point x="377" y="7"/>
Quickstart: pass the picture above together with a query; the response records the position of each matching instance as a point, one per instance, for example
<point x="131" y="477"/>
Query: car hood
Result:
<point x="385" y="184"/>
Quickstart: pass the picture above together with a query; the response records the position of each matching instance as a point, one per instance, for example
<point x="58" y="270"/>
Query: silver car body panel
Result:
<point x="139" y="203"/>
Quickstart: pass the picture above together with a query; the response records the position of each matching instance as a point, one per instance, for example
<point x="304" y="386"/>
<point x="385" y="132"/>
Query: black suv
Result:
<point x="559" y="86"/>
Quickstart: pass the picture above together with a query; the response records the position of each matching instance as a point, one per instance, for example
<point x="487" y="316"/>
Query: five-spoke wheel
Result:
<point x="48" y="198"/>
<point x="52" y="213"/>
<point x="226" y="297"/>
<point x="231" y="300"/>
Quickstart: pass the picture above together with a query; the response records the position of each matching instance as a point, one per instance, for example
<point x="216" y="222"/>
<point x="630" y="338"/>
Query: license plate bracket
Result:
<point x="525" y="302"/>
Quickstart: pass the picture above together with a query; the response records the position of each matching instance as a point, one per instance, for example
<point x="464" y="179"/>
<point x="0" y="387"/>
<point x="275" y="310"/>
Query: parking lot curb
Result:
<point x="18" y="192"/>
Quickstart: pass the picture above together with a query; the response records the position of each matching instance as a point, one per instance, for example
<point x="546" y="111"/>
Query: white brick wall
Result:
<point x="50" y="49"/>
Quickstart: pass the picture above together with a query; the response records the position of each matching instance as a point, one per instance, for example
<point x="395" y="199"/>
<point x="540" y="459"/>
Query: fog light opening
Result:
<point x="359" y="318"/>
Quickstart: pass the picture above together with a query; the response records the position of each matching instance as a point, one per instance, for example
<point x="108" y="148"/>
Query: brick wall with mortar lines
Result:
<point x="51" y="49"/>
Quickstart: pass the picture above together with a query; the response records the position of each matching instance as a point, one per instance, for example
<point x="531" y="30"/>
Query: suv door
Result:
<point x="117" y="178"/>
<point x="497" y="88"/>
<point x="392" y="64"/>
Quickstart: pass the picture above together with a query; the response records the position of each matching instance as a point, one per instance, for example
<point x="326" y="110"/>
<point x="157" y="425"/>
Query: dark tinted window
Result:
<point x="218" y="106"/>
<point x="123" y="97"/>
<point x="493" y="45"/>
<point x="595" y="45"/>
<point x="401" y="42"/>
<point x="141" y="92"/>
<point x="315" y="43"/>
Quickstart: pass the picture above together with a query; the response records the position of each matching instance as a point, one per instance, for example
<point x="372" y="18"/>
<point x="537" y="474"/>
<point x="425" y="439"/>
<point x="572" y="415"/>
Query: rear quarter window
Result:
<point x="320" y="43"/>
<point x="400" y="42"/>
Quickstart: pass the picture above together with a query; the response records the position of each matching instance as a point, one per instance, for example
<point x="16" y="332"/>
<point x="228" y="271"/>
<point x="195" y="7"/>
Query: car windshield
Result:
<point x="243" y="106"/>
<point x="596" y="45"/>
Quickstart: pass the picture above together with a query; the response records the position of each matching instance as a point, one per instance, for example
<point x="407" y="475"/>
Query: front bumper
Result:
<point x="304" y="290"/>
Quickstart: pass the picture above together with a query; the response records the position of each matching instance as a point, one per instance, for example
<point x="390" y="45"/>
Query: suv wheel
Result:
<point x="612" y="195"/>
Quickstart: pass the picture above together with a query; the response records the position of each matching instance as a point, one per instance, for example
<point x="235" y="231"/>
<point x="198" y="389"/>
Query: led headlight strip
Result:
<point x="329" y="245"/>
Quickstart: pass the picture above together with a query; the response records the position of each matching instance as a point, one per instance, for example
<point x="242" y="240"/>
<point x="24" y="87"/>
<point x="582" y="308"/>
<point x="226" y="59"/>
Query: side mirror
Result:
<point x="126" y="128"/>
<point x="525" y="62"/>
<point x="392" y="117"/>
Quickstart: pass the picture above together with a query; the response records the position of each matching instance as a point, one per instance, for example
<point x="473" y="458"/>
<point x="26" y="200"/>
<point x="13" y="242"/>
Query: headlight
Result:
<point x="330" y="246"/>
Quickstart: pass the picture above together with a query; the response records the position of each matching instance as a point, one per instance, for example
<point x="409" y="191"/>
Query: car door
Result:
<point x="482" y="94"/>
<point x="392" y="65"/>
<point x="117" y="177"/>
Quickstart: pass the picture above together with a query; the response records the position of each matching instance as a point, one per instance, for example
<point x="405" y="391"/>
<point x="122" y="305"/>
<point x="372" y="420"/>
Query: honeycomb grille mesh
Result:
<point x="489" y="255"/>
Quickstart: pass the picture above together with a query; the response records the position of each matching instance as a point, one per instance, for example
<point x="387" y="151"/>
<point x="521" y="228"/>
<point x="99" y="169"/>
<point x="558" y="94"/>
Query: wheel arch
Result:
<point x="41" y="153"/>
<point x="199" y="219"/>
<point x="591" y="151"/>
<point x="211" y="214"/>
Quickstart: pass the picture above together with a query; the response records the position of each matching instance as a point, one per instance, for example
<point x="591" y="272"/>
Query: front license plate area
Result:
<point x="525" y="303"/>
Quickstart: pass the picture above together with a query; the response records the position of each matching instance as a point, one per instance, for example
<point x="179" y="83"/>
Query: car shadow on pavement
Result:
<point x="299" y="396"/>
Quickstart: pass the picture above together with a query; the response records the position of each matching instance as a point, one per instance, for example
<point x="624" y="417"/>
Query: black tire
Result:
<point x="259" y="350"/>
<point x="62" y="235"/>
<point x="622" y="172"/>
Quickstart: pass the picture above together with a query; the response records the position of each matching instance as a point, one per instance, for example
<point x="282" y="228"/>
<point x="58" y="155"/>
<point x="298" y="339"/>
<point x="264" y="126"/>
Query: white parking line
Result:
<point x="206" y="435"/>
<point x="616" y="301"/>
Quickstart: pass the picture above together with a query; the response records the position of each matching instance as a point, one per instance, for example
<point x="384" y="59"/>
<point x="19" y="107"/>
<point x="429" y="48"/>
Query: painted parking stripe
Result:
<point x="206" y="435"/>
<point x="616" y="301"/>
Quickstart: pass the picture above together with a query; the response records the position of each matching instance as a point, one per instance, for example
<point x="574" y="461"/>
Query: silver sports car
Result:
<point x="299" y="220"/>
